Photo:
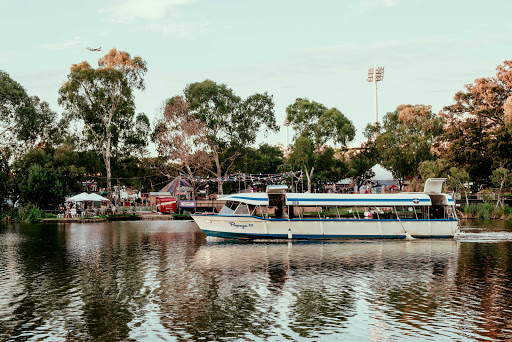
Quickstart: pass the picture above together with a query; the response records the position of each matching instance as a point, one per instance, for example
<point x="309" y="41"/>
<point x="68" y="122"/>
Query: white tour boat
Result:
<point x="278" y="214"/>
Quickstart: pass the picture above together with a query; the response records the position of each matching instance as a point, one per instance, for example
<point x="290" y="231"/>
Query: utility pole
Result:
<point x="375" y="75"/>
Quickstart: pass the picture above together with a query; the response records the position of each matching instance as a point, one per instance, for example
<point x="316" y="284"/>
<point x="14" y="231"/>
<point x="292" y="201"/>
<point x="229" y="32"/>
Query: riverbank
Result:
<point x="143" y="217"/>
<point x="485" y="211"/>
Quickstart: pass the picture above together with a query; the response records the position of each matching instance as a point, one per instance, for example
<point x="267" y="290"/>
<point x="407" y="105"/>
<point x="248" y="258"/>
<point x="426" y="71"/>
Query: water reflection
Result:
<point x="148" y="280"/>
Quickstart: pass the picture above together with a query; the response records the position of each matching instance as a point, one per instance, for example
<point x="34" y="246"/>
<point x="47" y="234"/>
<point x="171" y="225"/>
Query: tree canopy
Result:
<point x="408" y="137"/>
<point x="478" y="134"/>
<point x="230" y="122"/>
<point x="103" y="100"/>
<point x="315" y="125"/>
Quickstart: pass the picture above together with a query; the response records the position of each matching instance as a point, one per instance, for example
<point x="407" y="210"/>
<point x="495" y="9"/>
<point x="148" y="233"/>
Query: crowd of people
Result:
<point x="85" y="209"/>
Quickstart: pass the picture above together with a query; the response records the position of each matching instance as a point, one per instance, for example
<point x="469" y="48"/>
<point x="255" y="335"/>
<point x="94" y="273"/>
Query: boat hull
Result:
<point x="252" y="227"/>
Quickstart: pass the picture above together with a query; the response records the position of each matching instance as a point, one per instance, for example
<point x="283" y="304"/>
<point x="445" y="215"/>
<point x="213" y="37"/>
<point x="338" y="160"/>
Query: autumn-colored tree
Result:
<point x="315" y="125"/>
<point x="102" y="99"/>
<point x="231" y="123"/>
<point x="182" y="138"/>
<point x="478" y="133"/>
<point x="408" y="137"/>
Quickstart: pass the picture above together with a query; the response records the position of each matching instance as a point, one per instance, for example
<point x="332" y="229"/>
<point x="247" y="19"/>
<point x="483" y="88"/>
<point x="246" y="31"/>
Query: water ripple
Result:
<point x="164" y="281"/>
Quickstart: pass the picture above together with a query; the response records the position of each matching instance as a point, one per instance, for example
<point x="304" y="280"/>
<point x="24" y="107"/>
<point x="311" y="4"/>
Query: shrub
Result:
<point x="31" y="213"/>
<point x="486" y="211"/>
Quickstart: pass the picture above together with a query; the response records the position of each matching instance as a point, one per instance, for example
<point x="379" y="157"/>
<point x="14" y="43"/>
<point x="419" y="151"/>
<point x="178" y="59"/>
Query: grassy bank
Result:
<point x="486" y="211"/>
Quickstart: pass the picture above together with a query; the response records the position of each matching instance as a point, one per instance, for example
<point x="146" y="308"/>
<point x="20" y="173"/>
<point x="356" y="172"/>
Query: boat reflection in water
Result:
<point x="159" y="280"/>
<point x="308" y="289"/>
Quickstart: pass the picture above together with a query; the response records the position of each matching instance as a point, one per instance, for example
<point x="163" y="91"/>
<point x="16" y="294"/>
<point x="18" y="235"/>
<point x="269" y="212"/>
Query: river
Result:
<point x="164" y="280"/>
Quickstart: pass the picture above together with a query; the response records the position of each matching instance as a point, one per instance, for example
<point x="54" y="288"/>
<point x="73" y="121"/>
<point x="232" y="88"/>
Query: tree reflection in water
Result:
<point x="145" y="280"/>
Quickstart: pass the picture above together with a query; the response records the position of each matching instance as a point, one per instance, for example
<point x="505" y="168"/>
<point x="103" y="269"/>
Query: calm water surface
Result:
<point x="163" y="280"/>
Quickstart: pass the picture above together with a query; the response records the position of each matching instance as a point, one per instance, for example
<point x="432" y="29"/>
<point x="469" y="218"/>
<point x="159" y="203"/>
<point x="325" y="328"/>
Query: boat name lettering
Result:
<point x="295" y="202"/>
<point x="237" y="225"/>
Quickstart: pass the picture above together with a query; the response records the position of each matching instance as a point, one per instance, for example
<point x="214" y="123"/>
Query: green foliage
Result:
<point x="265" y="159"/>
<point x="330" y="169"/>
<point x="315" y="125"/>
<point x="487" y="211"/>
<point x="458" y="178"/>
<point x="43" y="176"/>
<point x="303" y="154"/>
<point x="30" y="213"/>
<point x="231" y="120"/>
<point x="5" y="180"/>
<point x="320" y="124"/>
<point x="407" y="138"/>
<point x="433" y="169"/>
<point x="136" y="139"/>
<point x="231" y="123"/>
<point x="102" y="99"/>
<point x="42" y="187"/>
<point x="18" y="117"/>
<point x="501" y="177"/>
<point x="360" y="163"/>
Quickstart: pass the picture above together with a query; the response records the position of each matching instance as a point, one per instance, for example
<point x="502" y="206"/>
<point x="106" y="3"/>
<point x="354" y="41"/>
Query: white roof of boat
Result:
<point x="256" y="198"/>
<point x="321" y="199"/>
<point x="409" y="199"/>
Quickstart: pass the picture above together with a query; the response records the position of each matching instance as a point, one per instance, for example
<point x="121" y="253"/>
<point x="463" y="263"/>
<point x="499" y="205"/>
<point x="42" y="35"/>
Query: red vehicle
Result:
<point x="166" y="204"/>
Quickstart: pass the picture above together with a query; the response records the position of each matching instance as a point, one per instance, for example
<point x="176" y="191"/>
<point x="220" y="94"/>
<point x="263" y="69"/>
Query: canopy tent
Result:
<point x="176" y="185"/>
<point x="84" y="196"/>
<point x="79" y="198"/>
<point x="96" y="198"/>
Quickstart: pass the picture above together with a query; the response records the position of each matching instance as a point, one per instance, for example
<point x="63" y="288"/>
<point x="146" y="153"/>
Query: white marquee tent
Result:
<point x="84" y="196"/>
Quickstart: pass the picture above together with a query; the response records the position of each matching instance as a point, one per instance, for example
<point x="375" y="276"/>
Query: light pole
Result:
<point x="286" y="123"/>
<point x="375" y="75"/>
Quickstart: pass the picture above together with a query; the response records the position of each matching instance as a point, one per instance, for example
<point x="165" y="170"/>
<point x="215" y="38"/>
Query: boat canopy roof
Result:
<point x="320" y="199"/>
<point x="381" y="200"/>
<point x="256" y="198"/>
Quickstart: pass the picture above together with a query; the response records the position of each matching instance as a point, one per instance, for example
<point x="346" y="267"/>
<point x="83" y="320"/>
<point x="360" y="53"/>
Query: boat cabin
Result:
<point x="278" y="204"/>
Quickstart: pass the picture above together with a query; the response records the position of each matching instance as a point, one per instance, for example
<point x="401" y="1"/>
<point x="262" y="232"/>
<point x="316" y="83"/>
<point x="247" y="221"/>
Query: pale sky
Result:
<point x="319" y="50"/>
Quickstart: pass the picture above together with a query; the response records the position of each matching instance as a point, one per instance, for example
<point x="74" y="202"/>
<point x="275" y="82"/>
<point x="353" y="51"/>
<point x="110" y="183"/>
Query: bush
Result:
<point x="31" y="213"/>
<point x="486" y="211"/>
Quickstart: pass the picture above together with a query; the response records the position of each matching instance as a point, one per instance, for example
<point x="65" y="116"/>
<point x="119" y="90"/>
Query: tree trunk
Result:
<point x="192" y="181"/>
<point x="109" y="175"/>
<point x="499" y="193"/>
<point x="309" y="175"/>
<point x="219" y="173"/>
<point x="108" y="169"/>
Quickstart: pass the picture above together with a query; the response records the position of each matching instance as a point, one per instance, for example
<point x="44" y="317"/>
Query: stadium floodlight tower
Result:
<point x="375" y="75"/>
<point x="286" y="123"/>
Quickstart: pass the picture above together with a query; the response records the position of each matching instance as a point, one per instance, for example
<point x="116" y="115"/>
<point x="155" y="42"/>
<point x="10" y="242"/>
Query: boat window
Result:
<point x="228" y="208"/>
<point x="452" y="214"/>
<point x="258" y="211"/>
<point x="437" y="212"/>
<point x="405" y="213"/>
<point x="242" y="209"/>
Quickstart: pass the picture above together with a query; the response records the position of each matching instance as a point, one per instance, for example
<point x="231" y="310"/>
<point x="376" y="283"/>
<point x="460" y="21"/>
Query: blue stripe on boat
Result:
<point x="296" y="236"/>
<point x="231" y="235"/>
<point x="245" y="198"/>
<point x="408" y="200"/>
